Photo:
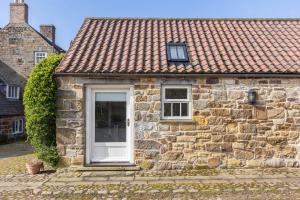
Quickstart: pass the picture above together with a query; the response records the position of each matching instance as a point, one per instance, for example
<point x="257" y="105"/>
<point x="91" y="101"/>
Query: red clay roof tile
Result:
<point x="138" y="46"/>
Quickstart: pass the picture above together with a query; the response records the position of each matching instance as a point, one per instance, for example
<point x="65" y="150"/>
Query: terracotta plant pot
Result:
<point x="34" y="167"/>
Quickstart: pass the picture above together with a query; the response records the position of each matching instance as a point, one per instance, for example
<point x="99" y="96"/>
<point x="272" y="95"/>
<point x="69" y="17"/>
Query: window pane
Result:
<point x="20" y="126"/>
<point x="14" y="126"/>
<point x="16" y="92"/>
<point x="180" y="52"/>
<point x="9" y="91"/>
<point x="176" y="93"/>
<point x="167" y="109"/>
<point x="176" y="109"/>
<point x="184" y="109"/>
<point x="173" y="52"/>
<point x="39" y="56"/>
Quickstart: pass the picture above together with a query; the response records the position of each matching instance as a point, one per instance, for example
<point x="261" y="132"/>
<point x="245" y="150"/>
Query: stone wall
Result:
<point x="226" y="131"/>
<point x="6" y="127"/>
<point x="19" y="42"/>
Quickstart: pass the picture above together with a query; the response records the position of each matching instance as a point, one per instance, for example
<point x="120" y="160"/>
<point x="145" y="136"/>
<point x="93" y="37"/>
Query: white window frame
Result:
<point x="15" y="93"/>
<point x="188" y="100"/>
<point x="38" y="58"/>
<point x="16" y="126"/>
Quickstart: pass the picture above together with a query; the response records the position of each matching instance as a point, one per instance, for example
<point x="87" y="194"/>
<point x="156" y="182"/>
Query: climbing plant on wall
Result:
<point x="39" y="102"/>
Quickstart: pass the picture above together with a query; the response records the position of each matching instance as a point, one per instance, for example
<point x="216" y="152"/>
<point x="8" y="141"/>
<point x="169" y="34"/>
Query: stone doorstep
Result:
<point x="107" y="168"/>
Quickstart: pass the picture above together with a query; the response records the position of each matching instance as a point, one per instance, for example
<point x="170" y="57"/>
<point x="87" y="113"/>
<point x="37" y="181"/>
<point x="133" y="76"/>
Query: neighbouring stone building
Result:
<point x="21" y="47"/>
<point x="168" y="94"/>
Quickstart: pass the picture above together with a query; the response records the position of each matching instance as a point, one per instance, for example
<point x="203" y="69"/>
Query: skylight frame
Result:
<point x="185" y="51"/>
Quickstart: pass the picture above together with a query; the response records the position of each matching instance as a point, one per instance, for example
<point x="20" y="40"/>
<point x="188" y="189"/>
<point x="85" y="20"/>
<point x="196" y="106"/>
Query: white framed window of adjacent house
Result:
<point x="38" y="56"/>
<point x="176" y="102"/>
<point x="18" y="126"/>
<point x="12" y="92"/>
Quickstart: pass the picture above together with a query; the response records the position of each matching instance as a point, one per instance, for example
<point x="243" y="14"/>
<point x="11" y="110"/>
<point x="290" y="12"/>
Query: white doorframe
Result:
<point x="90" y="90"/>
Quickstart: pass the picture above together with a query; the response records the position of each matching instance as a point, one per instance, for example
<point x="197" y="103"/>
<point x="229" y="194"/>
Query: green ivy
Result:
<point x="40" y="108"/>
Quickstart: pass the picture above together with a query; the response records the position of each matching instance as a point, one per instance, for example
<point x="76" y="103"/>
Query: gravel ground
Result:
<point x="15" y="149"/>
<point x="14" y="156"/>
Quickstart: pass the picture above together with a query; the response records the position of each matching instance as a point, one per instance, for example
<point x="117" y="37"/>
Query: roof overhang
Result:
<point x="227" y="75"/>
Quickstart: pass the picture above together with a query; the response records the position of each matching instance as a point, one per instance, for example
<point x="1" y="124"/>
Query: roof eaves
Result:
<point x="198" y="19"/>
<point x="260" y="75"/>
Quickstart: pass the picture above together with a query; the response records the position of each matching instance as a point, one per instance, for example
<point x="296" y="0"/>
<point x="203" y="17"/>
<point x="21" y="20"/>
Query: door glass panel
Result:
<point x="110" y="117"/>
<point x="111" y="96"/>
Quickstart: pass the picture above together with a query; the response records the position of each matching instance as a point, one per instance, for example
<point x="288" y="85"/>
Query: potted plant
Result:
<point x="34" y="167"/>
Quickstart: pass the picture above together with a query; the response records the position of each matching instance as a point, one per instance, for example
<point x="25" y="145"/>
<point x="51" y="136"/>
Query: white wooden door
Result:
<point x="111" y="126"/>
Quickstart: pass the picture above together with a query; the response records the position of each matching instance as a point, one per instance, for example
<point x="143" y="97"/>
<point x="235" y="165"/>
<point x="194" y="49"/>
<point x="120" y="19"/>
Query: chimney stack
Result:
<point x="18" y="12"/>
<point x="48" y="31"/>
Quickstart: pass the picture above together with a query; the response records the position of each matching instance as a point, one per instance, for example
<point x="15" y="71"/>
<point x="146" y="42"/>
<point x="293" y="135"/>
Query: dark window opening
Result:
<point x="177" y="52"/>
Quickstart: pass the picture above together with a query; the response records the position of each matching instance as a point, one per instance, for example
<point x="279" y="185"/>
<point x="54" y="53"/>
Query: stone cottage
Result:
<point x="21" y="47"/>
<point x="166" y="94"/>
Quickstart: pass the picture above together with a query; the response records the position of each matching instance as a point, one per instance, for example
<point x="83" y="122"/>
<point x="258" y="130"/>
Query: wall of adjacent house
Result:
<point x="6" y="128"/>
<point x="226" y="131"/>
<point x="19" y="42"/>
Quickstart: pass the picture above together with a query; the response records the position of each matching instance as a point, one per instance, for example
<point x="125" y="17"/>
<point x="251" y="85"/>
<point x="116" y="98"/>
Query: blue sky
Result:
<point x="68" y="15"/>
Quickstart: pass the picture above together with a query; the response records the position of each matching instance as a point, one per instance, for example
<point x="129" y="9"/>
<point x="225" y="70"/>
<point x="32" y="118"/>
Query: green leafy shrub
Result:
<point x="39" y="102"/>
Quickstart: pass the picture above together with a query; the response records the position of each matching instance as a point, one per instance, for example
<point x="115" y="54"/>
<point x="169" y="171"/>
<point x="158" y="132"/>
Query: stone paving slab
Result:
<point x="102" y="186"/>
<point x="170" y="179"/>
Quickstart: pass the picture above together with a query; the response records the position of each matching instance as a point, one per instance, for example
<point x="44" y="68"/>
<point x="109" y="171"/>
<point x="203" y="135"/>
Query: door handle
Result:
<point x="128" y="122"/>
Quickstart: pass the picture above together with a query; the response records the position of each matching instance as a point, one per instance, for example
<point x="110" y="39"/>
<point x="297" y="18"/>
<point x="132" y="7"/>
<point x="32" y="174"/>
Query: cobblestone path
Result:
<point x="129" y="185"/>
